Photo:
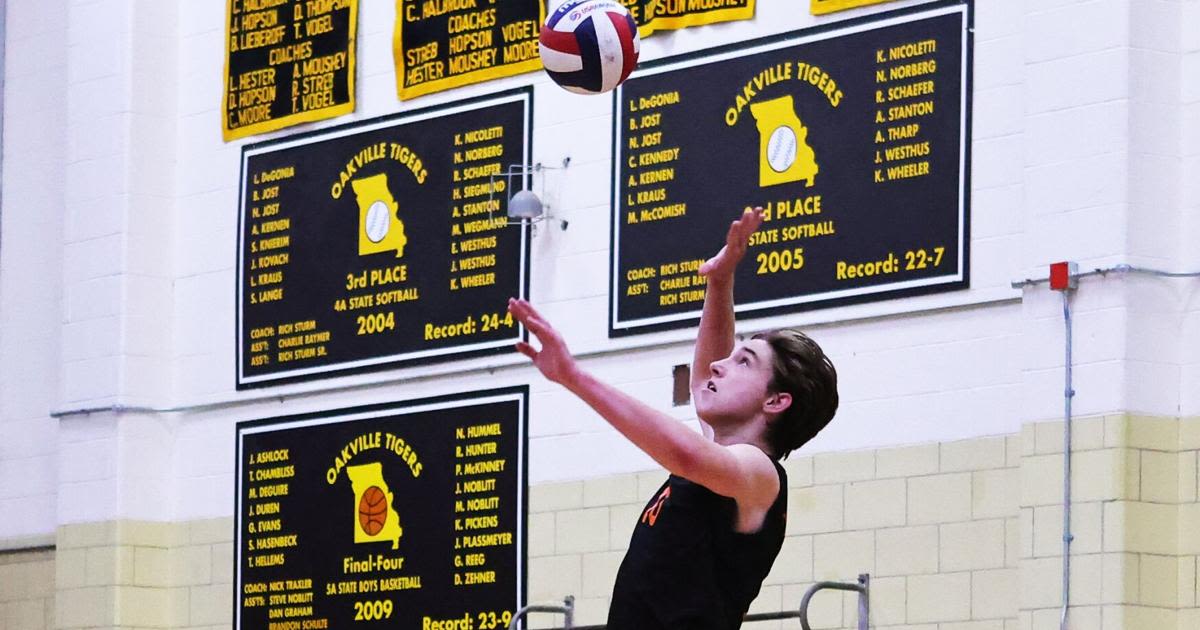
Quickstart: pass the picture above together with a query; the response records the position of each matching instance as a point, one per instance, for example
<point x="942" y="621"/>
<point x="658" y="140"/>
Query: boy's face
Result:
<point x="739" y="385"/>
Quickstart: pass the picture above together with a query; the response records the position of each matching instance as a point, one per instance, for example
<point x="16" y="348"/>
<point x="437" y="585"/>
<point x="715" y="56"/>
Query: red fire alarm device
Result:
<point x="1064" y="276"/>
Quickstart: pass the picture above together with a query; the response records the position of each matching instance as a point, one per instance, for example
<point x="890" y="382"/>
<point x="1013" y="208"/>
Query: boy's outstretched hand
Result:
<point x="721" y="266"/>
<point x="554" y="360"/>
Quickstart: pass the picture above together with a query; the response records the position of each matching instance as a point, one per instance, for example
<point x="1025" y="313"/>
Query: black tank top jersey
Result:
<point x="687" y="568"/>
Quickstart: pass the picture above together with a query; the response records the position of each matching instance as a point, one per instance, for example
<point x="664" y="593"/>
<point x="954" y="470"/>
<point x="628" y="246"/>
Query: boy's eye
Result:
<point x="743" y="361"/>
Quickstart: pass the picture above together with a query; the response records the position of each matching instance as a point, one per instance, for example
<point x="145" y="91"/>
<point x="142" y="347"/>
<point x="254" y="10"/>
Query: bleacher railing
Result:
<point x="862" y="587"/>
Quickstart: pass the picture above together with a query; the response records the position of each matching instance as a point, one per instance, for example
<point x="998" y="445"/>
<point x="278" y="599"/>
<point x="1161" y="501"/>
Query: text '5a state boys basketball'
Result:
<point x="708" y="537"/>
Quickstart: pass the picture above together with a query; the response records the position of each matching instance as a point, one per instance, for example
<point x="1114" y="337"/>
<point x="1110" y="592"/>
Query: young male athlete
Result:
<point x="708" y="537"/>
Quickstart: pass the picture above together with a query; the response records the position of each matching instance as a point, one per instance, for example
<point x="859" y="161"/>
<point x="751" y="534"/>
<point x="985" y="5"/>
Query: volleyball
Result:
<point x="589" y="46"/>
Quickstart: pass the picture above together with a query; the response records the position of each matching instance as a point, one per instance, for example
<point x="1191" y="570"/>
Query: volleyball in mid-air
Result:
<point x="589" y="46"/>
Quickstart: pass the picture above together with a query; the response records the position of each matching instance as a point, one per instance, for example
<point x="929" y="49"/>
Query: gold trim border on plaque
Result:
<point x="821" y="7"/>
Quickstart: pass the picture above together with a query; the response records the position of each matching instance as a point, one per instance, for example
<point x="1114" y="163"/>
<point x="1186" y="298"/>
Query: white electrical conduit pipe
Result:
<point x="1068" y="394"/>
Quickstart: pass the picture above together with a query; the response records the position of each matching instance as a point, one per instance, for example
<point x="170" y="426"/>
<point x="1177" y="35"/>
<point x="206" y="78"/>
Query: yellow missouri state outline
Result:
<point x="784" y="155"/>
<point x="379" y="229"/>
<point x="362" y="478"/>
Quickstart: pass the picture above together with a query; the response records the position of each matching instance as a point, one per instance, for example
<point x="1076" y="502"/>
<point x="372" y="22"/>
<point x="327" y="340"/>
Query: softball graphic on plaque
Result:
<point x="379" y="229"/>
<point x="375" y="519"/>
<point x="784" y="154"/>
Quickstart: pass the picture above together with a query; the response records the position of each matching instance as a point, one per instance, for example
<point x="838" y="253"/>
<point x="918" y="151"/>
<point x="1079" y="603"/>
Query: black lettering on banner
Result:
<point x="443" y="44"/>
<point x="287" y="62"/>
<point x="660" y="15"/>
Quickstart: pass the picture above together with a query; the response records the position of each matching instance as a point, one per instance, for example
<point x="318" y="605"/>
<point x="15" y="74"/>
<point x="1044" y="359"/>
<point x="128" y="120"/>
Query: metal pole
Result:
<point x="1067" y="536"/>
<point x="567" y="610"/>
<point x="862" y="587"/>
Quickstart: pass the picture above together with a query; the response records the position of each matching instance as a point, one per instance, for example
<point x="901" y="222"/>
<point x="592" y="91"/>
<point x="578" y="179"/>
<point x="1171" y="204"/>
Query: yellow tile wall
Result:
<point x="139" y="574"/>
<point x="936" y="526"/>
<point x="1134" y="485"/>
<point x="27" y="586"/>
<point x="956" y="536"/>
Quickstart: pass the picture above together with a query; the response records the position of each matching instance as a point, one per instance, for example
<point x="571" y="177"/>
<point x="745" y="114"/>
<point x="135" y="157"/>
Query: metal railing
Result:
<point x="567" y="610"/>
<point x="862" y="587"/>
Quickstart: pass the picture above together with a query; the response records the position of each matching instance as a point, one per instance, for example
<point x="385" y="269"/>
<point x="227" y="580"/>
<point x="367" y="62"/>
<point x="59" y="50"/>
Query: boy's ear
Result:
<point x="777" y="402"/>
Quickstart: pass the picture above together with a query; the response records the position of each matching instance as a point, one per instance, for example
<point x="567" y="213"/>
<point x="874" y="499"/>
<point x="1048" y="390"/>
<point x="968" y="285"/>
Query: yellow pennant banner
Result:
<point x="444" y="44"/>
<point x="820" y="7"/>
<point x="662" y="15"/>
<point x="287" y="62"/>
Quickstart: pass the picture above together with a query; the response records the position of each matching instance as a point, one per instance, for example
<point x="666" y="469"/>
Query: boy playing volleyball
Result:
<point x="709" y="535"/>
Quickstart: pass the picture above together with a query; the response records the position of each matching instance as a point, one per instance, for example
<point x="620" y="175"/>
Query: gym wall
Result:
<point x="941" y="475"/>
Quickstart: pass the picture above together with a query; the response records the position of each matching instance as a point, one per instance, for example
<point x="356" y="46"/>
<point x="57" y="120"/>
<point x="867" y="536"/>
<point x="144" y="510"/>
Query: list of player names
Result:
<point x="480" y="527"/>
<point x="289" y="61"/>
<point x="270" y="542"/>
<point x="906" y="75"/>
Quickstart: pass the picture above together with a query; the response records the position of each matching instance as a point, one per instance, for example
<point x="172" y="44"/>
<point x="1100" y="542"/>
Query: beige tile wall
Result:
<point x="27" y="589"/>
<point x="1134" y="485"/>
<point x="137" y="574"/>
<point x="956" y="536"/>
<point x="935" y="525"/>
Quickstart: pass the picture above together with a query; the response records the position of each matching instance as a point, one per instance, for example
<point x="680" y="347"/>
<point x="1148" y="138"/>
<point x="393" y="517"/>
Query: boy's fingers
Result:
<point x="538" y="329"/>
<point x="529" y="307"/>
<point x="734" y="234"/>
<point x="523" y="316"/>
<point x="525" y="313"/>
<point x="532" y="324"/>
<point x="526" y="350"/>
<point x="519" y="308"/>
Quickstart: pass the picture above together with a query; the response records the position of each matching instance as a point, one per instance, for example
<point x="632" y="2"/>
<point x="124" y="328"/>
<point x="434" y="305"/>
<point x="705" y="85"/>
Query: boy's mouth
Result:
<point x="711" y="387"/>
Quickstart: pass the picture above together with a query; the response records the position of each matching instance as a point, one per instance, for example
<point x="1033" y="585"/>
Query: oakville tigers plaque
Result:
<point x="405" y="515"/>
<point x="854" y="139"/>
<point x="383" y="242"/>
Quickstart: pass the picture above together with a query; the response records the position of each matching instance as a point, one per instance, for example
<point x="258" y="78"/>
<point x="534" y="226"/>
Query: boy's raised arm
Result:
<point x="715" y="338"/>
<point x="739" y="471"/>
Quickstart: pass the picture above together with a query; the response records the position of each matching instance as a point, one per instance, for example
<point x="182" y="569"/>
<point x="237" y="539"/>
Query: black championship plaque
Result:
<point x="854" y="138"/>
<point x="408" y="516"/>
<point x="287" y="62"/>
<point x="443" y="44"/>
<point x="382" y="242"/>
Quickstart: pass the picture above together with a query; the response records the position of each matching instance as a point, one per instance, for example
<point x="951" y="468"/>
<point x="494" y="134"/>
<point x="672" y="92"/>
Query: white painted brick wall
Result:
<point x="98" y="80"/>
<point x="1077" y="80"/>
<point x="1052" y="29"/>
<point x="1189" y="381"/>
<point x="1082" y="141"/>
<point x="1189" y="233"/>
<point x="88" y="464"/>
<point x="1070" y="134"/>
<point x="31" y="226"/>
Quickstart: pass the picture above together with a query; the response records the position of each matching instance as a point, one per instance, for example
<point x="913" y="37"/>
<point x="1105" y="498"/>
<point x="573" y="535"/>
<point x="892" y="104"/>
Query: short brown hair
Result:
<point x="800" y="368"/>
